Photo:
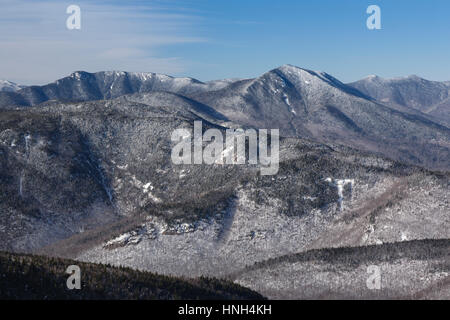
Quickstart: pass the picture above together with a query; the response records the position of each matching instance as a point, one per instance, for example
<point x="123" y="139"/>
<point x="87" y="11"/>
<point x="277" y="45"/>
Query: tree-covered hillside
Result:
<point x="41" y="277"/>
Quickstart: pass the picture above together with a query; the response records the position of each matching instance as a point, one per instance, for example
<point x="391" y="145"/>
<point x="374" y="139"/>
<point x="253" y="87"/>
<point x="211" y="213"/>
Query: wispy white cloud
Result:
<point x="37" y="48"/>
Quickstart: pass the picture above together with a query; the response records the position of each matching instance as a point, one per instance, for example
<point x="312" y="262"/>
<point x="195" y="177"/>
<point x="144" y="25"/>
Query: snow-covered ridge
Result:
<point x="163" y="82"/>
<point x="9" y="86"/>
<point x="376" y="78"/>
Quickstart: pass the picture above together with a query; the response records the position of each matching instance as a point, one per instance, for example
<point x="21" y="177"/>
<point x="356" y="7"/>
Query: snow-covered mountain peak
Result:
<point x="297" y="75"/>
<point x="374" y="78"/>
<point x="77" y="75"/>
<point x="10" y="86"/>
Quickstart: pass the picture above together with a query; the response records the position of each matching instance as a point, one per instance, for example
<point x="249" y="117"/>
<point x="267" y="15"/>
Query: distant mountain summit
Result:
<point x="8" y="86"/>
<point x="412" y="92"/>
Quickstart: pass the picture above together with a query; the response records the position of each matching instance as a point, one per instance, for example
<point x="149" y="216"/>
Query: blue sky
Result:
<point x="213" y="39"/>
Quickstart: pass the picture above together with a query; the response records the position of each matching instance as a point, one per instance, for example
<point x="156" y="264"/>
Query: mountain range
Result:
<point x="300" y="102"/>
<point x="86" y="174"/>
